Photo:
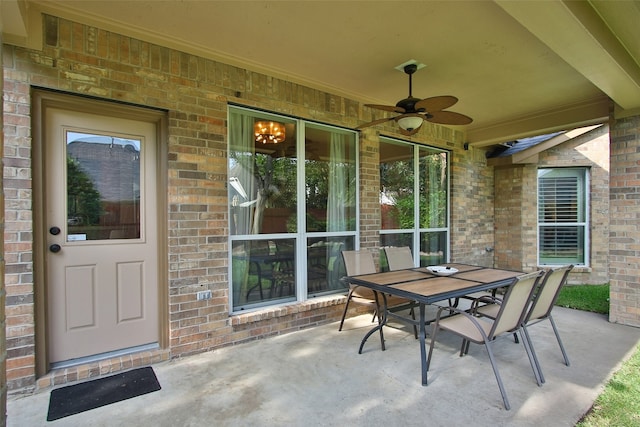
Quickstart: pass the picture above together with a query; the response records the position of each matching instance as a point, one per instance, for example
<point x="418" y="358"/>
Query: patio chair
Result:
<point x="399" y="257"/>
<point x="542" y="302"/>
<point x="361" y="262"/>
<point x="483" y="330"/>
<point x="542" y="305"/>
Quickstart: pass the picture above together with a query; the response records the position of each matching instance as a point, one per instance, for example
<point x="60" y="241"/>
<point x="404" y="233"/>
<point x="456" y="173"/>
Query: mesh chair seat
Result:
<point x="483" y="330"/>
<point x="361" y="262"/>
<point x="539" y="309"/>
<point x="399" y="258"/>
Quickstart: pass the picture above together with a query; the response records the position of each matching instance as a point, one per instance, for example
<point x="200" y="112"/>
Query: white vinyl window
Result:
<point x="414" y="200"/>
<point x="292" y="196"/>
<point x="563" y="217"/>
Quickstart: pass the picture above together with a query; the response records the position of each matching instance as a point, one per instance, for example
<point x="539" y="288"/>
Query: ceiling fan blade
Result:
<point x="448" y="118"/>
<point x="375" y="122"/>
<point x="392" y="108"/>
<point x="436" y="103"/>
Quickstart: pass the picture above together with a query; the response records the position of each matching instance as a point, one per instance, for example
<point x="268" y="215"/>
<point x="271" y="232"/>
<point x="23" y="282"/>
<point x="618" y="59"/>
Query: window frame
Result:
<point x="583" y="194"/>
<point x="417" y="231"/>
<point x="300" y="235"/>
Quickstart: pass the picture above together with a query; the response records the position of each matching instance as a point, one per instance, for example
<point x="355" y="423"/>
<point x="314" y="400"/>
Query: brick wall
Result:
<point x="3" y="325"/>
<point x="472" y="199"/>
<point x="589" y="150"/>
<point x="624" y="242"/>
<point x="369" y="192"/>
<point x="516" y="220"/>
<point x="18" y="243"/>
<point x="516" y="206"/>
<point x="195" y="92"/>
<point x="509" y="183"/>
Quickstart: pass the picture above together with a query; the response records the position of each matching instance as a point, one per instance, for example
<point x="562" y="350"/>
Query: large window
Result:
<point x="292" y="208"/>
<point x="414" y="184"/>
<point x="563" y="216"/>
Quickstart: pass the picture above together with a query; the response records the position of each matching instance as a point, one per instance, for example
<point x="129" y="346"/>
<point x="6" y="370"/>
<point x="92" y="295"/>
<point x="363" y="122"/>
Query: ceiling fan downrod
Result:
<point x="410" y="69"/>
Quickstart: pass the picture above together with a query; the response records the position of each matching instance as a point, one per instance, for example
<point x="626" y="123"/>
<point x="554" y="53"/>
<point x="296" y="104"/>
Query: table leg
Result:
<point x="423" y="350"/>
<point x="381" y="322"/>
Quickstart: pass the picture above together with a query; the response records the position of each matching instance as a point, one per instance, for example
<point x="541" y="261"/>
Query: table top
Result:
<point x="419" y="284"/>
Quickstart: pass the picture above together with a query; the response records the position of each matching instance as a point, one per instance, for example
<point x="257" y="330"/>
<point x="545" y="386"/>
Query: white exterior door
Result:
<point x="100" y="233"/>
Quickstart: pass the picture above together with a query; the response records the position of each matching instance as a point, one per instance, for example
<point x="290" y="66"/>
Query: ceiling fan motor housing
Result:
<point x="431" y="109"/>
<point x="409" y="105"/>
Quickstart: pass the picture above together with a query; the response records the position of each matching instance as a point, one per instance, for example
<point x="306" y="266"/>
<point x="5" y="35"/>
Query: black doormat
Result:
<point x="82" y="397"/>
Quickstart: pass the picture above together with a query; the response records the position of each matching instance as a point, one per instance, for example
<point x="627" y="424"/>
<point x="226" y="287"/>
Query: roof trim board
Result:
<point x="530" y="155"/>
<point x="577" y="33"/>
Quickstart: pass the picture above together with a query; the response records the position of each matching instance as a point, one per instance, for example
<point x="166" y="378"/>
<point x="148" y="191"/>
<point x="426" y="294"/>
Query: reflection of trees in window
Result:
<point x="83" y="199"/>
<point x="396" y="180"/>
<point x="273" y="185"/>
<point x="397" y="184"/>
<point x="433" y="190"/>
<point x="317" y="184"/>
<point x="322" y="199"/>
<point x="283" y="171"/>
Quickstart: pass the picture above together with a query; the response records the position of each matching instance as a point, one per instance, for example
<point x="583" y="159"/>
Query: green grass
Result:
<point x="619" y="403"/>
<point x="593" y="298"/>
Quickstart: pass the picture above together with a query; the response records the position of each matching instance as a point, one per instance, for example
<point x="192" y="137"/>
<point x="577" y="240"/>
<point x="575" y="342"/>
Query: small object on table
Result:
<point x="441" y="270"/>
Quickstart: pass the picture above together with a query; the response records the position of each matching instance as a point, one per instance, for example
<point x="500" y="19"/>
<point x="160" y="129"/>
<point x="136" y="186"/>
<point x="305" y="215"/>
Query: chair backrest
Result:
<point x="358" y="262"/>
<point x="548" y="292"/>
<point x="515" y="303"/>
<point x="399" y="258"/>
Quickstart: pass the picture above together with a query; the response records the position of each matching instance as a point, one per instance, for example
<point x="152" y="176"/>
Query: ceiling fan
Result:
<point x="414" y="111"/>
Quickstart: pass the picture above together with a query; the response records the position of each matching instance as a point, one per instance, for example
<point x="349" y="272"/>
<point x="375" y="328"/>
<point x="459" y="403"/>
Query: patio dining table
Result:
<point x="424" y="287"/>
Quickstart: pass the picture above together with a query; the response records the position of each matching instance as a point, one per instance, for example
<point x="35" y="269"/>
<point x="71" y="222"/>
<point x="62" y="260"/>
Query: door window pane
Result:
<point x="103" y="187"/>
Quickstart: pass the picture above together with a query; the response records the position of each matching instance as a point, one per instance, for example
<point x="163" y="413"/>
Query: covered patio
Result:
<point x="519" y="69"/>
<point x="316" y="377"/>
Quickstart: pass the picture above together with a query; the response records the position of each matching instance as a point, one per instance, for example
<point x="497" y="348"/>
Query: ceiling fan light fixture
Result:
<point x="410" y="123"/>
<point x="267" y="132"/>
<point x="413" y="111"/>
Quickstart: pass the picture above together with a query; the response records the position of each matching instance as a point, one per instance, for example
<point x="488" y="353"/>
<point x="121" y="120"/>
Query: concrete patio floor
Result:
<point x="317" y="378"/>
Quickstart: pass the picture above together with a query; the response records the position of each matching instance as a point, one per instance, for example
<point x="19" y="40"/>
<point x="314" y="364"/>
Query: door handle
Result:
<point x="55" y="248"/>
<point x="54" y="230"/>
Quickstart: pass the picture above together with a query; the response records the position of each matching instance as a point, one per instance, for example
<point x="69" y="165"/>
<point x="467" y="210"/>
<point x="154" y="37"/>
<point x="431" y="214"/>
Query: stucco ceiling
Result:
<point x="519" y="68"/>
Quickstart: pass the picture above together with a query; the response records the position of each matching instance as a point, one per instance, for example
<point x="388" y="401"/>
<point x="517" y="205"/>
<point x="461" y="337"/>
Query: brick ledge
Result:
<point x="286" y="310"/>
<point x="100" y="368"/>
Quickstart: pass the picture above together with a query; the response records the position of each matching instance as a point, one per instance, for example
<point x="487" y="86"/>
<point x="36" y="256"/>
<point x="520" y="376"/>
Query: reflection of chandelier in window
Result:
<point x="269" y="132"/>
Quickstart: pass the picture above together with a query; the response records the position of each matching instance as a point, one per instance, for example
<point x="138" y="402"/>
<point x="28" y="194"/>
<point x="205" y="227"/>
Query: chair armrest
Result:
<point x="450" y="309"/>
<point x="474" y="320"/>
<point x="486" y="299"/>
